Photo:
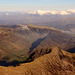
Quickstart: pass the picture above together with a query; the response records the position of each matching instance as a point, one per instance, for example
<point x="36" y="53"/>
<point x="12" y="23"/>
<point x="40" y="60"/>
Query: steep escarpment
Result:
<point x="57" y="62"/>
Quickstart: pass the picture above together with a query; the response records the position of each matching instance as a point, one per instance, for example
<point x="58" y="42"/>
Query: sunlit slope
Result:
<point x="55" y="63"/>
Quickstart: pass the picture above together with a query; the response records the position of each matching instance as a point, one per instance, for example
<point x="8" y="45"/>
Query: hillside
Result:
<point x="57" y="62"/>
<point x="16" y="40"/>
<point x="58" y="39"/>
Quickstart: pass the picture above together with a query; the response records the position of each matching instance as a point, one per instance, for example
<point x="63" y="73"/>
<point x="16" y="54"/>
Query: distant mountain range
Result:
<point x="63" y="20"/>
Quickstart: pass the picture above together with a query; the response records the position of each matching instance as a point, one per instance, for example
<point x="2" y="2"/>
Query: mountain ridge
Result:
<point x="55" y="63"/>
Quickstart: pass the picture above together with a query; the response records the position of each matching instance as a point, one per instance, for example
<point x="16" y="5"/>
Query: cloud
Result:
<point x="71" y="10"/>
<point x="6" y="13"/>
<point x="53" y="12"/>
<point x="46" y="12"/>
<point x="64" y="13"/>
<point x="43" y="12"/>
<point x="32" y="12"/>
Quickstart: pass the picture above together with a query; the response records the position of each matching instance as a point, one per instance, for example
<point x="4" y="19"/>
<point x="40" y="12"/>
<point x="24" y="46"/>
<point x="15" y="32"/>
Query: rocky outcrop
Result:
<point x="57" y="62"/>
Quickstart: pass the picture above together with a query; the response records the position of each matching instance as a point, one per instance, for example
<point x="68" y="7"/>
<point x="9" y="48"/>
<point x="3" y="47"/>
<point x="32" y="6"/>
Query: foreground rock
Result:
<point x="57" y="62"/>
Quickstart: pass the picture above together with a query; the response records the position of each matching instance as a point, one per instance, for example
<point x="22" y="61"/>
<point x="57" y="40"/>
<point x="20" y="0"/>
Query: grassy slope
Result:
<point x="15" y="42"/>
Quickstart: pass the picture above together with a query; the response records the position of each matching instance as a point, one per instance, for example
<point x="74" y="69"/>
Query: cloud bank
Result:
<point x="46" y="12"/>
<point x="43" y="12"/>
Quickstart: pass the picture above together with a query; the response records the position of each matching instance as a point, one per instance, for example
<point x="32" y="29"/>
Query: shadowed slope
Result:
<point x="58" y="39"/>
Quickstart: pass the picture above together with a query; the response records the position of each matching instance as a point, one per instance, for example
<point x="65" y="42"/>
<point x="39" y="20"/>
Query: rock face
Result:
<point x="57" y="62"/>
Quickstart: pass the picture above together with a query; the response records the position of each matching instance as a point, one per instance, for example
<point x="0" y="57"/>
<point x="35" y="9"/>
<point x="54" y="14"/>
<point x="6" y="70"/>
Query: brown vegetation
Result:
<point x="57" y="62"/>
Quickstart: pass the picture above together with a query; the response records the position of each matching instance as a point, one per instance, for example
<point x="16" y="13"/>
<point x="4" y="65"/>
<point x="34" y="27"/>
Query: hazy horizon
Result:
<point x="55" y="13"/>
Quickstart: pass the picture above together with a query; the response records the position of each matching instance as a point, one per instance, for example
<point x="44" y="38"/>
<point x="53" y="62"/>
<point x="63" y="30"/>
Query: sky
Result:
<point x="25" y="5"/>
